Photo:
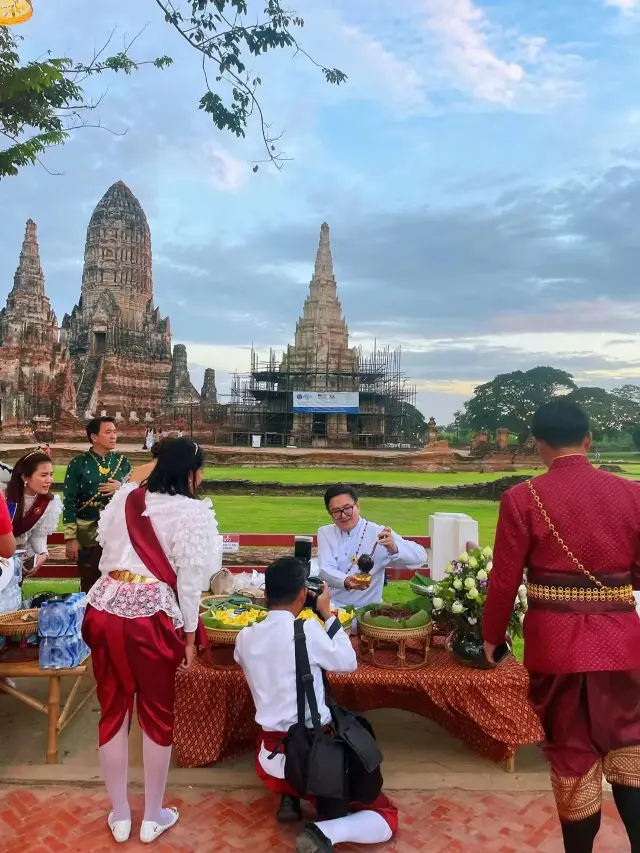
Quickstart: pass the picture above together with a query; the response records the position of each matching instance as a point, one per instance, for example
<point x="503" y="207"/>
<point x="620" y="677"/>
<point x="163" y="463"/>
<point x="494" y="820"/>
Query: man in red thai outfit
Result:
<point x="576" y="530"/>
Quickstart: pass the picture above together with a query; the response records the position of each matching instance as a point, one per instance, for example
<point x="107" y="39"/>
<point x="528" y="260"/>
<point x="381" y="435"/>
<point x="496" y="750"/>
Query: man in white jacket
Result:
<point x="341" y="544"/>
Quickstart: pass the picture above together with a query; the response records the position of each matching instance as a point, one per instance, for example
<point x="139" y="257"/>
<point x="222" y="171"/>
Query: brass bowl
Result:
<point x="362" y="577"/>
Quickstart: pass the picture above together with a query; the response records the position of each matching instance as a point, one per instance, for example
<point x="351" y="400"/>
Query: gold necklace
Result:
<point x="105" y="471"/>
<point x="354" y="559"/>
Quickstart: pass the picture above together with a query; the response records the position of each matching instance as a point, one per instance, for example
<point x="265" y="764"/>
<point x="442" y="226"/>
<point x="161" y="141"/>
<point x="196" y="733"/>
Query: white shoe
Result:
<point x="120" y="829"/>
<point x="150" y="830"/>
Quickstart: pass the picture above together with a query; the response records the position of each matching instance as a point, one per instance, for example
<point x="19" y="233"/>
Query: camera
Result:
<point x="314" y="589"/>
<point x="302" y="551"/>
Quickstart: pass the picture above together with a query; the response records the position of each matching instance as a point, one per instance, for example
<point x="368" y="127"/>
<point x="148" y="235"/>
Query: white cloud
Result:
<point x="461" y="28"/>
<point x="225" y="171"/>
<point x="623" y="5"/>
<point x="384" y="73"/>
<point x="497" y="66"/>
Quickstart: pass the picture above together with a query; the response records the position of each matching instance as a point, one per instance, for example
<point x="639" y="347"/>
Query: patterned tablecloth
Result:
<point x="488" y="711"/>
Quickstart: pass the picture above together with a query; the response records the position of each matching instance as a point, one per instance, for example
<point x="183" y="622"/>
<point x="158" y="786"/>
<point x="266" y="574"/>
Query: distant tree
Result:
<point x="410" y="420"/>
<point x="42" y="102"/>
<point x="510" y="400"/>
<point x="628" y="392"/>
<point x="608" y="413"/>
<point x="635" y="436"/>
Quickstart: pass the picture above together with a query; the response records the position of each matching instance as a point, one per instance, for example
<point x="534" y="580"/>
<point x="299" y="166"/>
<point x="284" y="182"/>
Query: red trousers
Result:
<point x="273" y="740"/>
<point x="134" y="658"/>
<point x="586" y="716"/>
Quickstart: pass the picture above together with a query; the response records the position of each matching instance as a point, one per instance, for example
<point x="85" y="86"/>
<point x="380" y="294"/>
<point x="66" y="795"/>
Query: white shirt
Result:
<point x="266" y="653"/>
<point x="337" y="549"/>
<point x="188" y="533"/>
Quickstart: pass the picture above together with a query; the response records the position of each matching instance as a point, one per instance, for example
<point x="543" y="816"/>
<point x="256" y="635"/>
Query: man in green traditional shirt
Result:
<point x="92" y="479"/>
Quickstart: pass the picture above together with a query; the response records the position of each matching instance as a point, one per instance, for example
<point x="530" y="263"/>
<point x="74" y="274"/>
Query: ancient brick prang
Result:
<point x="113" y="351"/>
<point x="32" y="362"/>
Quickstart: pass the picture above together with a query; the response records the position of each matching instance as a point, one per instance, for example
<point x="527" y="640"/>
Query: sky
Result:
<point x="480" y="171"/>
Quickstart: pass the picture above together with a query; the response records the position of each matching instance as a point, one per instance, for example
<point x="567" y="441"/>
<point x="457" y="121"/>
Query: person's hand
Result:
<point x="110" y="487"/>
<point x="490" y="650"/>
<point x="72" y="550"/>
<point x="40" y="560"/>
<point x="323" y="604"/>
<point x="189" y="657"/>
<point x="352" y="582"/>
<point x="385" y="538"/>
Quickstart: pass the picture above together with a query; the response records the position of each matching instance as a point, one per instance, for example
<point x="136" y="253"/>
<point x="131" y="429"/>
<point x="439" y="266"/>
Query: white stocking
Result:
<point x="156" y="761"/>
<point x="359" y="828"/>
<point x="114" y="764"/>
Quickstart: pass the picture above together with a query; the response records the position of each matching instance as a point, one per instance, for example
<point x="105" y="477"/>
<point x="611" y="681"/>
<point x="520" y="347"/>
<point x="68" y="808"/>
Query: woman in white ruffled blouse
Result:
<point x="139" y="631"/>
<point x="37" y="512"/>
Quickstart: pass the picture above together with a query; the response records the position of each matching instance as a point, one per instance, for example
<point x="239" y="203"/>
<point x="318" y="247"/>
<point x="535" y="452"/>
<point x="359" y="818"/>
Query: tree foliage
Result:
<point x="408" y="419"/>
<point x="608" y="413"/>
<point x="635" y="436"/>
<point x="42" y="102"/>
<point x="510" y="400"/>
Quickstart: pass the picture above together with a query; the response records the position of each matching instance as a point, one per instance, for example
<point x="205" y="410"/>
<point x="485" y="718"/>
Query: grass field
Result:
<point x="336" y="475"/>
<point x="265" y="514"/>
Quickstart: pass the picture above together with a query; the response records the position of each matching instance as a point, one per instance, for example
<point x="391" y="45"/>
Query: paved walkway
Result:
<point x="72" y="820"/>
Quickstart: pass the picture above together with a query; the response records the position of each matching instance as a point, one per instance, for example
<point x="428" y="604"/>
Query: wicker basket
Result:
<point x="15" y="624"/>
<point x="222" y="636"/>
<point x="372" y="638"/>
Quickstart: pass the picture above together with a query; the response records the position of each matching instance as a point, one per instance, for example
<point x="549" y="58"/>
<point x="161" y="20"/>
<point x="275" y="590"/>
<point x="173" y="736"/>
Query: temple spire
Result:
<point x="324" y="262"/>
<point x="29" y="277"/>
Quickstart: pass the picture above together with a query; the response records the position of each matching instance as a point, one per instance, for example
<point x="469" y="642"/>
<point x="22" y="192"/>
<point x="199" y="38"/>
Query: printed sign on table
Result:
<point x="230" y="543"/>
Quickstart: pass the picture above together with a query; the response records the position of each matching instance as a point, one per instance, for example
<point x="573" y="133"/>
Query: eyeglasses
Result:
<point x="346" y="511"/>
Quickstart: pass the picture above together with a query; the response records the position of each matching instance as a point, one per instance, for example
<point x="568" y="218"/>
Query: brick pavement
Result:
<point x="70" y="820"/>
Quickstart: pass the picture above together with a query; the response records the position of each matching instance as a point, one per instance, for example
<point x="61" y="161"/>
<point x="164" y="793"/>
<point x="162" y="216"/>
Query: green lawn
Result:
<point x="337" y="475"/>
<point x="350" y="475"/>
<point x="266" y="514"/>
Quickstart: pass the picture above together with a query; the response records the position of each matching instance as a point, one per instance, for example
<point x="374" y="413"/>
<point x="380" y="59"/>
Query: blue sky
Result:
<point x="480" y="171"/>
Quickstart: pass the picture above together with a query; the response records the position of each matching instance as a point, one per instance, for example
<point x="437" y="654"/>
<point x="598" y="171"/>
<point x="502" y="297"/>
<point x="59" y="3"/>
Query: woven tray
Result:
<point x="14" y="624"/>
<point x="222" y="636"/>
<point x="393" y="635"/>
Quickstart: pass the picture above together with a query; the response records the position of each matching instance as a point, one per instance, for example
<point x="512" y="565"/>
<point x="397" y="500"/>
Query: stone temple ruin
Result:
<point x="111" y="355"/>
<point x="321" y="367"/>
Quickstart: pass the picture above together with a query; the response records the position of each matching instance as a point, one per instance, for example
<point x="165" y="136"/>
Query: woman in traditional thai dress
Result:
<point x="36" y="512"/>
<point x="142" y="622"/>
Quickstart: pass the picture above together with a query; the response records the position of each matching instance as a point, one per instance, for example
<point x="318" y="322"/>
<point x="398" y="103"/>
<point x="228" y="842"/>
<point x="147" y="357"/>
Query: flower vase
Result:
<point x="466" y="647"/>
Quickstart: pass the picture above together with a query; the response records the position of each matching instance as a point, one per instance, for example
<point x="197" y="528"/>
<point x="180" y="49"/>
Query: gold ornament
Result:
<point x="15" y="12"/>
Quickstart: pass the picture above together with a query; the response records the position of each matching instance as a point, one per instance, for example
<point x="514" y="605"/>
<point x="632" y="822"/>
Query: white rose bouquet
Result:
<point x="457" y="601"/>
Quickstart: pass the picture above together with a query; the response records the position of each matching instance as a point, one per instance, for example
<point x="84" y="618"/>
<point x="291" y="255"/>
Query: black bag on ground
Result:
<point x="314" y="760"/>
<point x="341" y="764"/>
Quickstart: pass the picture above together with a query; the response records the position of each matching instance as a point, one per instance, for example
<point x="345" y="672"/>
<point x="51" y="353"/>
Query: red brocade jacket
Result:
<point x="598" y="516"/>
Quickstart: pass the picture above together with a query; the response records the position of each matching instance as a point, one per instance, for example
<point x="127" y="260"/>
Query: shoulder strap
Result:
<point x="304" y="679"/>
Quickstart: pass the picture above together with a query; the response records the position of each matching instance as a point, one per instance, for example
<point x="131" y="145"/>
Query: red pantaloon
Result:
<point x="134" y="658"/>
<point x="592" y="728"/>
<point x="273" y="741"/>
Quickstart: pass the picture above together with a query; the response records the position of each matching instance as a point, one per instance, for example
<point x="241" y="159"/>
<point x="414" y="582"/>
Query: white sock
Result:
<point x="359" y="828"/>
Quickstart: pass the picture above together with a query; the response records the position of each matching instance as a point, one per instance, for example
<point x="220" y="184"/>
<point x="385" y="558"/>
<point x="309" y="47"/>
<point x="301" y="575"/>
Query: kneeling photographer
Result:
<point x="309" y="748"/>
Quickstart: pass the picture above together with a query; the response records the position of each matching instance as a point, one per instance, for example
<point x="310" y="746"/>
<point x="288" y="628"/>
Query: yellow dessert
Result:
<point x="342" y="615"/>
<point x="242" y="619"/>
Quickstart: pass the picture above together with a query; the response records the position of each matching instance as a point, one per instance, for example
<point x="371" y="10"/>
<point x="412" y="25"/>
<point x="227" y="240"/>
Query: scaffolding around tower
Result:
<point x="262" y="401"/>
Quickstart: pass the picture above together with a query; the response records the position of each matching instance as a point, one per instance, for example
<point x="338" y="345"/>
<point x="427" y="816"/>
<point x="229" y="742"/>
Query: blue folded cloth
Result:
<point x="62" y="652"/>
<point x="62" y="618"/>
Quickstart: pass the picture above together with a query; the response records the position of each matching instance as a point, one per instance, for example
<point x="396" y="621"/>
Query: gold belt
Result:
<point x="572" y="593"/>
<point x="129" y="577"/>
